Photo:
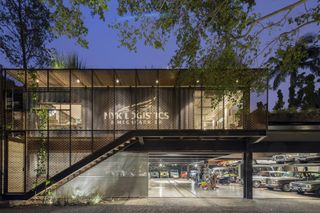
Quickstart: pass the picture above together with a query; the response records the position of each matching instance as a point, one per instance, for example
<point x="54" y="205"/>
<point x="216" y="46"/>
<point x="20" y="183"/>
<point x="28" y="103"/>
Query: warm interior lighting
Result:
<point x="37" y="80"/>
<point x="117" y="81"/>
<point x="157" y="81"/>
<point x="78" y="81"/>
<point x="197" y="81"/>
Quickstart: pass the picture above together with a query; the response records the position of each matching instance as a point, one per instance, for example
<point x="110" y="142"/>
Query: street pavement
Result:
<point x="165" y="205"/>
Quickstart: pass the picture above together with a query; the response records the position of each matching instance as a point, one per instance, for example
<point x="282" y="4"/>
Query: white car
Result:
<point x="174" y="173"/>
<point x="284" y="158"/>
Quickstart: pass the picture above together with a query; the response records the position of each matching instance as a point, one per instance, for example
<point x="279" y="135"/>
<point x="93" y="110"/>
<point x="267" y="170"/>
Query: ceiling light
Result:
<point x="157" y="81"/>
<point x="117" y="81"/>
<point x="78" y="81"/>
<point x="197" y="81"/>
<point x="37" y="80"/>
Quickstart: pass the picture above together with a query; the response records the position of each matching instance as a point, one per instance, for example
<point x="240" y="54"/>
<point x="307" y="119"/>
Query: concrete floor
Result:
<point x="168" y="187"/>
<point x="166" y="205"/>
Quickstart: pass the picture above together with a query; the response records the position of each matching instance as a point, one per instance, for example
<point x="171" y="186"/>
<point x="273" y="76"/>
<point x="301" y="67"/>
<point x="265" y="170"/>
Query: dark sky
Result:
<point x="104" y="50"/>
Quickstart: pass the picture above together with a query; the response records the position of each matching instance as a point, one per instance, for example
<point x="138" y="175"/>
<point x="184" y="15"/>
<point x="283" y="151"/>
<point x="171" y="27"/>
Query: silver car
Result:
<point x="259" y="180"/>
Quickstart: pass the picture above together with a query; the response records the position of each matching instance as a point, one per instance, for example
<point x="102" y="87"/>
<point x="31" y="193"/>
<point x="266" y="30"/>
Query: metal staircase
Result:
<point x="78" y="168"/>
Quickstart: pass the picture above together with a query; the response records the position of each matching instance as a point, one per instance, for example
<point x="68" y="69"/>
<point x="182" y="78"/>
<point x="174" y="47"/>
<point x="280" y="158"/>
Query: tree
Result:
<point x="211" y="29"/>
<point x="24" y="33"/>
<point x="280" y="103"/>
<point x="291" y="60"/>
<point x="28" y="26"/>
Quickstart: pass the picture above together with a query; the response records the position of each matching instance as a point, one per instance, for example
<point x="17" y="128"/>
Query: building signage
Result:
<point x="144" y="113"/>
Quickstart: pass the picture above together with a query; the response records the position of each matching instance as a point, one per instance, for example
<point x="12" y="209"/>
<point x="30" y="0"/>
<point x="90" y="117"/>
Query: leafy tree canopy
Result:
<point x="28" y="26"/>
<point x="227" y="32"/>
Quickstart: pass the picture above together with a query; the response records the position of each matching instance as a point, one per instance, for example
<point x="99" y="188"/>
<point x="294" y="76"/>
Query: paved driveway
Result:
<point x="182" y="205"/>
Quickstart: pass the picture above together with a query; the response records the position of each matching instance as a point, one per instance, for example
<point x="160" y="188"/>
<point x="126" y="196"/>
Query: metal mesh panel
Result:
<point x="36" y="171"/>
<point x="103" y="108"/>
<point x="213" y="109"/>
<point x="37" y="80"/>
<point x="147" y="108"/>
<point x="14" y="110"/>
<point x="188" y="117"/>
<point x="125" y="109"/>
<point x="233" y="105"/>
<point x="59" y="151"/>
<point x="102" y="138"/>
<point x="257" y="112"/>
<point x="81" y="108"/>
<point x="168" y="108"/>
<point x="16" y="162"/>
<point x="81" y="145"/>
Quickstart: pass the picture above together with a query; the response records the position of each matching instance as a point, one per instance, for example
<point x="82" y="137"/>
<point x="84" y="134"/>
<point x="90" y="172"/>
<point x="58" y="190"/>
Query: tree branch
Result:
<point x="288" y="7"/>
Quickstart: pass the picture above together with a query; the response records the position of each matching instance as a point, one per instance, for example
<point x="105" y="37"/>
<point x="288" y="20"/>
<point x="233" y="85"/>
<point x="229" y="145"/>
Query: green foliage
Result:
<point x="68" y="17"/>
<point x="280" y="103"/>
<point x="71" y="61"/>
<point x="28" y="26"/>
<point x="25" y="32"/>
<point x="292" y="61"/>
<point x="220" y="35"/>
<point x="201" y="28"/>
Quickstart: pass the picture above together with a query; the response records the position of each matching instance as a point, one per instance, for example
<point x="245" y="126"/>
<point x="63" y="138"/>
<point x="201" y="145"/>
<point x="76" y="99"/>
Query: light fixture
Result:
<point x="117" y="81"/>
<point x="157" y="81"/>
<point x="197" y="81"/>
<point x="237" y="81"/>
<point x="78" y="81"/>
<point x="37" y="80"/>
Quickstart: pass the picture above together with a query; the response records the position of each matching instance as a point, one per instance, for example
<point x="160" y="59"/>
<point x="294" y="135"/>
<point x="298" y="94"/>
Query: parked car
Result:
<point x="193" y="174"/>
<point x="308" y="157"/>
<point x="311" y="186"/>
<point x="154" y="174"/>
<point x="284" y="181"/>
<point x="184" y="174"/>
<point x="164" y="174"/>
<point x="228" y="178"/>
<point x="174" y="173"/>
<point x="284" y="158"/>
<point x="259" y="180"/>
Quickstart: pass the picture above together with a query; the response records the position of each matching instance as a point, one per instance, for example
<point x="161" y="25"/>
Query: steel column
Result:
<point x="247" y="172"/>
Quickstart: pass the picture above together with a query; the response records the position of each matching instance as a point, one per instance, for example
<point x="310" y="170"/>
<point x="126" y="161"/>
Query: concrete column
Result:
<point x="247" y="173"/>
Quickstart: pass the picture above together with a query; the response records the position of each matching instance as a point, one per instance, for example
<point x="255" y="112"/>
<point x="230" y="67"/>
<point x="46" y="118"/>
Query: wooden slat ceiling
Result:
<point x="101" y="78"/>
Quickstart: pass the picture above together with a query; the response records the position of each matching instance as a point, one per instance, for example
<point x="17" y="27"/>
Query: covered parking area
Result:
<point x="194" y="150"/>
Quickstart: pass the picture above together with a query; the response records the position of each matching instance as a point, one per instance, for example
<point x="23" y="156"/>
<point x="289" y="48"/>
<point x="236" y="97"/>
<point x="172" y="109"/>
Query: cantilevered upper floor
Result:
<point x="122" y="100"/>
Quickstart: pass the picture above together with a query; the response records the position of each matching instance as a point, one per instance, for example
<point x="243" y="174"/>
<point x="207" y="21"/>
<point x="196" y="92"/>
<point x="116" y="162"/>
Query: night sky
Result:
<point x="104" y="50"/>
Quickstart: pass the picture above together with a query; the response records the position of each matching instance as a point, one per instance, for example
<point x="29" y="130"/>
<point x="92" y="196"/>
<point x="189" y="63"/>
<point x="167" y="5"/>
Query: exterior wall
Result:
<point x="122" y="175"/>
